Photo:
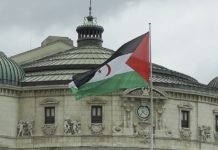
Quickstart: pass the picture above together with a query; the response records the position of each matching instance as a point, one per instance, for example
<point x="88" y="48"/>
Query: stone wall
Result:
<point x="121" y="127"/>
<point x="9" y="116"/>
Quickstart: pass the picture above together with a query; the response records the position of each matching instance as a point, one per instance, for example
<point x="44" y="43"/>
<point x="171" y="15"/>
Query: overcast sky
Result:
<point x="184" y="32"/>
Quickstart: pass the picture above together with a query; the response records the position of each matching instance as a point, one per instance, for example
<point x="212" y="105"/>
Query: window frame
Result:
<point x="185" y="119"/>
<point x="188" y="108"/>
<point x="98" y="116"/>
<point x="216" y="123"/>
<point x="49" y="119"/>
<point x="215" y="119"/>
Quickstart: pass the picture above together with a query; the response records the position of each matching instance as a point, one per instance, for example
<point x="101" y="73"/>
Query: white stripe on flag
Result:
<point x="114" y="67"/>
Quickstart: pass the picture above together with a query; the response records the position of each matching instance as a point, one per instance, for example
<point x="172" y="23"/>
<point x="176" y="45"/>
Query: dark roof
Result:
<point x="62" y="66"/>
<point x="59" y="68"/>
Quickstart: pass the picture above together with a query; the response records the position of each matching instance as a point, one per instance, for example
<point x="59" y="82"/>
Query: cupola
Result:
<point x="10" y="72"/>
<point x="90" y="33"/>
<point x="214" y="83"/>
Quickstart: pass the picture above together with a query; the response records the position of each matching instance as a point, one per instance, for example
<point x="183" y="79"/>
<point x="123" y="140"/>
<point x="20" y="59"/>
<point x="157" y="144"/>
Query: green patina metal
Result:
<point x="10" y="72"/>
<point x="214" y="83"/>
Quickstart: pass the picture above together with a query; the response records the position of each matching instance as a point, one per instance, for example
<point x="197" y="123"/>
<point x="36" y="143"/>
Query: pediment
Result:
<point x="97" y="100"/>
<point x="144" y="93"/>
<point x="49" y="101"/>
<point x="185" y="106"/>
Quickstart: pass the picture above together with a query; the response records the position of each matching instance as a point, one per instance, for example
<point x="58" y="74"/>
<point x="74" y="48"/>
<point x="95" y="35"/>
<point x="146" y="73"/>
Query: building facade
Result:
<point x="39" y="112"/>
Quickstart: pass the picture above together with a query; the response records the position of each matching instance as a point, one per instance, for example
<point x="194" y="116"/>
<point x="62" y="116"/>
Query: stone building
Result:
<point x="39" y="112"/>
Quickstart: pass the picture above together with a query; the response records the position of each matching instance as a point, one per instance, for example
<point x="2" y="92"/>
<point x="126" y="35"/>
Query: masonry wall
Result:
<point x="8" y="120"/>
<point x="122" y="129"/>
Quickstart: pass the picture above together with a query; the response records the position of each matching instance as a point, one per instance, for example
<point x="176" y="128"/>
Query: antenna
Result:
<point x="90" y="8"/>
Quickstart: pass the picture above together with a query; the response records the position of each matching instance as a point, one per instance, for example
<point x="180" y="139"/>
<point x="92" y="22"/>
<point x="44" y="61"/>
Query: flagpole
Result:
<point x="151" y="92"/>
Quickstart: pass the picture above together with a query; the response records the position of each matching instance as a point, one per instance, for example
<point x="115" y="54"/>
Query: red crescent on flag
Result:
<point x="108" y="69"/>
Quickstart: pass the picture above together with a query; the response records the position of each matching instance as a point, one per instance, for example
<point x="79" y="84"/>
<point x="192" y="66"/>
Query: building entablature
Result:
<point x="191" y="95"/>
<point x="9" y="90"/>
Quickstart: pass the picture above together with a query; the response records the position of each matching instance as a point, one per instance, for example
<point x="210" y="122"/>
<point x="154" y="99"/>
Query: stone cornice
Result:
<point x="11" y="87"/>
<point x="199" y="93"/>
<point x="194" y="96"/>
<point x="9" y="90"/>
<point x="63" y="90"/>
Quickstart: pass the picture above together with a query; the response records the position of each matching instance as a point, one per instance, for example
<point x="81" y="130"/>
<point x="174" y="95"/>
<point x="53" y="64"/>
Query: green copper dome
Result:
<point x="10" y="72"/>
<point x="214" y="83"/>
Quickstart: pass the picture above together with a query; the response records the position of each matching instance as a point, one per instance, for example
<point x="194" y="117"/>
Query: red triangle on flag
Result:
<point x="139" y="60"/>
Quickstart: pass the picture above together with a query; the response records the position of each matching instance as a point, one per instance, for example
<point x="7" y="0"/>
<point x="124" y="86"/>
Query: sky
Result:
<point x="184" y="33"/>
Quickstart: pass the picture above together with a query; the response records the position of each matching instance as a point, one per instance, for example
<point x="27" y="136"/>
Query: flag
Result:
<point x="128" y="67"/>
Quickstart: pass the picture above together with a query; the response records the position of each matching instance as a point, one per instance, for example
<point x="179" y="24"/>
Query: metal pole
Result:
<point x="151" y="92"/>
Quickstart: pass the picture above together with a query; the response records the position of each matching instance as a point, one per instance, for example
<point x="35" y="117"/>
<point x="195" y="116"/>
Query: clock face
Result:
<point x="143" y="112"/>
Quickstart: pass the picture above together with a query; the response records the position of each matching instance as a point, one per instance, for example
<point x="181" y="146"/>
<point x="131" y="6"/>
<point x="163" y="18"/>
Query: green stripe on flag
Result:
<point x="120" y="81"/>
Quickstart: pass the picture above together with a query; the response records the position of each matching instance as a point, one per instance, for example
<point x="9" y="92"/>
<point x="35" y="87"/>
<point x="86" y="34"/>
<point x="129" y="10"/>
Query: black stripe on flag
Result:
<point x="129" y="47"/>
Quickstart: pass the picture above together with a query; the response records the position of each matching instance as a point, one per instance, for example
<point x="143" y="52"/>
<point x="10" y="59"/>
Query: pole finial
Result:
<point x="90" y="7"/>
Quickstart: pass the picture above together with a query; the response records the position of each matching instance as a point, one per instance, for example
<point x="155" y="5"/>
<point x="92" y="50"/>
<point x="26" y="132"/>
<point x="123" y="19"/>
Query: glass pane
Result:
<point x="99" y="111"/>
<point x="216" y="120"/>
<point x="93" y="111"/>
<point x="185" y="115"/>
<point x="185" y="119"/>
<point x="52" y="112"/>
<point x="47" y="112"/>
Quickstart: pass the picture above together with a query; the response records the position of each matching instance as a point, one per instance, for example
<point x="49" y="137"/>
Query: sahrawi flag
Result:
<point x="128" y="67"/>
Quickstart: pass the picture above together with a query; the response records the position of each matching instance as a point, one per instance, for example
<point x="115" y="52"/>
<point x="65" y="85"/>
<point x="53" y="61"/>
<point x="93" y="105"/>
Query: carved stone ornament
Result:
<point x="118" y="129"/>
<point x="97" y="128"/>
<point x="144" y="92"/>
<point x="159" y="111"/>
<point x="137" y="92"/>
<point x="185" y="133"/>
<point x="216" y="136"/>
<point x="49" y="101"/>
<point x="205" y="133"/>
<point x="128" y="106"/>
<point x="185" y="106"/>
<point x="146" y="133"/>
<point x="25" y="128"/>
<point x="96" y="101"/>
<point x="71" y="127"/>
<point x="49" y="129"/>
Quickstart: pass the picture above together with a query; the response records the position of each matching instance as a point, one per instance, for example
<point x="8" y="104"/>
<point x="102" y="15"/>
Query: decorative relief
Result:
<point x="118" y="129"/>
<point x="185" y="106"/>
<point x="146" y="133"/>
<point x="185" y="133"/>
<point x="128" y="119"/>
<point x="49" y="129"/>
<point x="49" y="101"/>
<point x="96" y="101"/>
<point x="25" y="128"/>
<point x="144" y="92"/>
<point x="205" y="133"/>
<point x="137" y="92"/>
<point x="71" y="127"/>
<point x="216" y="136"/>
<point x="97" y="128"/>
<point x="160" y="110"/>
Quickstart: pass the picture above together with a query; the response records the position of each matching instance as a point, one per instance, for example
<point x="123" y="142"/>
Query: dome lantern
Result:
<point x="90" y="33"/>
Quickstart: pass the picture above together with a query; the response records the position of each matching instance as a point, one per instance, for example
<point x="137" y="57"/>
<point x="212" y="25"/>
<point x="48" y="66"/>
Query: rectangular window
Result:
<point x="184" y="119"/>
<point x="49" y="115"/>
<point x="216" y="122"/>
<point x="96" y="114"/>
